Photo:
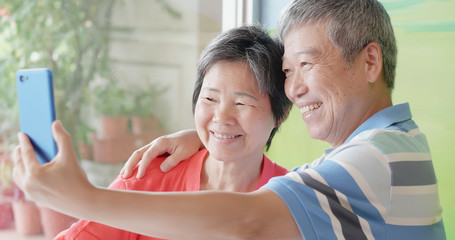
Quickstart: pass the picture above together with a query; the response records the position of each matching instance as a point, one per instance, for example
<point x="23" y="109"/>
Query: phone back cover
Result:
<point x="36" y="110"/>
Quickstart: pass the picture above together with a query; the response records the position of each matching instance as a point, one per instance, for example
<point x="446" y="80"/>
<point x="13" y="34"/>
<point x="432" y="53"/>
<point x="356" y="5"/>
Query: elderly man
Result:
<point x="376" y="182"/>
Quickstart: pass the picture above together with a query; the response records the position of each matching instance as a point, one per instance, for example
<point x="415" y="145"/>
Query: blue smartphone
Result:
<point x="35" y="95"/>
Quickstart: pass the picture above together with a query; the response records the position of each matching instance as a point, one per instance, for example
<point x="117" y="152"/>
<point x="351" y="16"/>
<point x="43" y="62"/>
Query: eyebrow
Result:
<point x="245" y="95"/>
<point x="237" y="93"/>
<point x="309" y="51"/>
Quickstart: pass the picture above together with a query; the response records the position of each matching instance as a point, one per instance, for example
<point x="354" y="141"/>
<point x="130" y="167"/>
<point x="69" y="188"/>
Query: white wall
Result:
<point x="151" y="46"/>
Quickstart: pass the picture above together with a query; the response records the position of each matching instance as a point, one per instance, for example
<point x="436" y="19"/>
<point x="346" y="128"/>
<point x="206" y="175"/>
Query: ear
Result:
<point x="373" y="61"/>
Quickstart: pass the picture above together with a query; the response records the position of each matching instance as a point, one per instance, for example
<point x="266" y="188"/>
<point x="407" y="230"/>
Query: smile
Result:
<point x="309" y="109"/>
<point x="224" y="136"/>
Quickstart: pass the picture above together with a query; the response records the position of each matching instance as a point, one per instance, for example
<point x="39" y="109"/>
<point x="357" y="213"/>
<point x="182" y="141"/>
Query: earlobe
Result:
<point x="373" y="56"/>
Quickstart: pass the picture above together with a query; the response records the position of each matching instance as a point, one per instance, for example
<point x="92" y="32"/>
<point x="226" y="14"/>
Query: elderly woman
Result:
<point x="238" y="104"/>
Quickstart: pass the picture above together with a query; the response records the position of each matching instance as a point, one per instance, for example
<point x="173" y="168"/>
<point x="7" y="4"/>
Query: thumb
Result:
<point x="62" y="137"/>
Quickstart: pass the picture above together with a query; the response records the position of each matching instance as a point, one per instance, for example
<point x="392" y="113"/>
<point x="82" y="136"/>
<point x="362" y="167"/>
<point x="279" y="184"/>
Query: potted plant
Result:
<point x="143" y="118"/>
<point x="85" y="136"/>
<point x="6" y="191"/>
<point x="26" y="214"/>
<point x="6" y="214"/>
<point x="69" y="37"/>
<point x="54" y="222"/>
<point x="72" y="38"/>
<point x="113" y="104"/>
<point x="14" y="206"/>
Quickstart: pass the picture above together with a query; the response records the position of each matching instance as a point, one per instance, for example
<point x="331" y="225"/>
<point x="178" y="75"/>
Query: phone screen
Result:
<point x="37" y="111"/>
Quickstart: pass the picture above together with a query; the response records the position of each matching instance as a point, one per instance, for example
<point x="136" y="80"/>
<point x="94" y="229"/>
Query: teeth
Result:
<point x="310" y="108"/>
<point x="217" y="135"/>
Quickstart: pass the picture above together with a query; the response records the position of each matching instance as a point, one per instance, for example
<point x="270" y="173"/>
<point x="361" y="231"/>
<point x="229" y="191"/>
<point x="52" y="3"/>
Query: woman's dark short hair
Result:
<point x="263" y="54"/>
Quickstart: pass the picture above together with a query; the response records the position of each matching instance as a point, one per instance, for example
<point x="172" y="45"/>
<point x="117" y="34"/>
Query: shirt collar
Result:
<point x="384" y="118"/>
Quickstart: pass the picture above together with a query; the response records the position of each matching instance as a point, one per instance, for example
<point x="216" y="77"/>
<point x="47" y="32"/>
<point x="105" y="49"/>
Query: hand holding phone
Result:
<point x="37" y="110"/>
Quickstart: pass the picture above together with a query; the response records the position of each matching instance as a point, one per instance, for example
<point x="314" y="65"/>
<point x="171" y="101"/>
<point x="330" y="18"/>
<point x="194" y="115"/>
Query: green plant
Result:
<point x="145" y="98"/>
<point x="71" y="37"/>
<point x="111" y="100"/>
<point x="6" y="174"/>
<point x="83" y="133"/>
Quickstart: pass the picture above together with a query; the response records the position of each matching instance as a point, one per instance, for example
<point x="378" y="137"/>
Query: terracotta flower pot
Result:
<point x="113" y="127"/>
<point x="115" y="150"/>
<point x="142" y="125"/>
<point x="27" y="218"/>
<point x="54" y="222"/>
<point x="86" y="151"/>
<point x="6" y="214"/>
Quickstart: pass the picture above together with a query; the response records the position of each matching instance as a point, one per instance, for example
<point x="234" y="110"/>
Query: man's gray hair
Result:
<point x="351" y="25"/>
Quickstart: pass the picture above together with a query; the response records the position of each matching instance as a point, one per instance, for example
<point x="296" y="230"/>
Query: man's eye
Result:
<point x="239" y="104"/>
<point x="286" y="70"/>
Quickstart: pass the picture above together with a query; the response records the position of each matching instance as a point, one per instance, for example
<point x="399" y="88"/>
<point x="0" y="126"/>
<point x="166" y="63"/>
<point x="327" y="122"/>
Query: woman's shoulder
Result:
<point x="270" y="169"/>
<point x="155" y="179"/>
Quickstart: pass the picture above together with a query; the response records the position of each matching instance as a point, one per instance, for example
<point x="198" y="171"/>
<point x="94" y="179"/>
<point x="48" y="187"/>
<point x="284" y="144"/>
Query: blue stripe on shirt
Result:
<point x="350" y="225"/>
<point x="313" y="222"/>
<point x="412" y="173"/>
<point x="339" y="179"/>
<point x="433" y="232"/>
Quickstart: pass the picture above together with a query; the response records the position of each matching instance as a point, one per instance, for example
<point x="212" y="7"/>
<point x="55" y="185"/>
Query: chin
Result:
<point x="315" y="134"/>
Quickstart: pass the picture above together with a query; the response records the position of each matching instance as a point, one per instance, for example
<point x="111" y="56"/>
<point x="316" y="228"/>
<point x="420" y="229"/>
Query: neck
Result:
<point x="232" y="176"/>
<point x="375" y="105"/>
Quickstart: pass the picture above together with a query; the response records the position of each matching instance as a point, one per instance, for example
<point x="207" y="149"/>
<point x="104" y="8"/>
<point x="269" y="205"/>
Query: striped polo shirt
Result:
<point x="380" y="184"/>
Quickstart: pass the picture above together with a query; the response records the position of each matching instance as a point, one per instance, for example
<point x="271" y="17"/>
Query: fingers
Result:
<point x="27" y="154"/>
<point x="18" y="170"/>
<point x="129" y="166"/>
<point x="142" y="167"/>
<point x="171" y="144"/>
<point x="62" y="138"/>
<point x="171" y="162"/>
<point x="143" y="157"/>
<point x="17" y="158"/>
<point x="157" y="148"/>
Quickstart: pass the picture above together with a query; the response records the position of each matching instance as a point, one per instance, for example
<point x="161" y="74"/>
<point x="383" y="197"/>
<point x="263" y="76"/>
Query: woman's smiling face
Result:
<point x="233" y="119"/>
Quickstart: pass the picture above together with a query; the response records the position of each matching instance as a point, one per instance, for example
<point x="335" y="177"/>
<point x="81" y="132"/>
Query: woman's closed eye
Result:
<point x="246" y="103"/>
<point x="209" y="97"/>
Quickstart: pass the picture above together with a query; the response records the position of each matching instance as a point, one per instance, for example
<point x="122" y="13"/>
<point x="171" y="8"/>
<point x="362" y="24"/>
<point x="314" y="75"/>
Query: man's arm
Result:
<point x="202" y="215"/>
<point x="90" y="230"/>
<point x="62" y="185"/>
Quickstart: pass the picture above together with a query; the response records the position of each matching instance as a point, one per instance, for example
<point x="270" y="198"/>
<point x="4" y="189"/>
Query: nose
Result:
<point x="295" y="86"/>
<point x="224" y="114"/>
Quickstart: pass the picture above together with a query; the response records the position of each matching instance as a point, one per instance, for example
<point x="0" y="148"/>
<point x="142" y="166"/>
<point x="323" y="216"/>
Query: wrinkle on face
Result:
<point x="329" y="80"/>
